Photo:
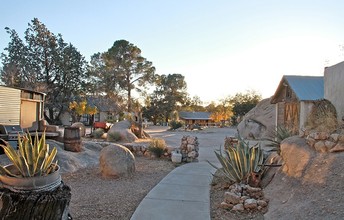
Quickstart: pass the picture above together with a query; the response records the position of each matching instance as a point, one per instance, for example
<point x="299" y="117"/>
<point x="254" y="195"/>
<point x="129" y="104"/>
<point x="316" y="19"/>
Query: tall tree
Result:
<point x="44" y="63"/>
<point x="171" y="91"/>
<point x="123" y="66"/>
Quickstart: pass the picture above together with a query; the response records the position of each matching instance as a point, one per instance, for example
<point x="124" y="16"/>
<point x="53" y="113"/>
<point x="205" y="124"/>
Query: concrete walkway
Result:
<point x="182" y="194"/>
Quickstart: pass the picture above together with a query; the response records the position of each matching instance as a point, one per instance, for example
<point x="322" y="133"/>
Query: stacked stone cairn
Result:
<point x="189" y="149"/>
<point x="242" y="197"/>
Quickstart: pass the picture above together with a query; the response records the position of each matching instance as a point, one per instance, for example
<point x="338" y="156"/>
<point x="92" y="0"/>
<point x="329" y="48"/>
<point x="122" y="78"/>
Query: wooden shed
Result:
<point x="21" y="107"/>
<point x="294" y="99"/>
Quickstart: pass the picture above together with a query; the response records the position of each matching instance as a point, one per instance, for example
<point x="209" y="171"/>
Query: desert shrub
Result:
<point x="323" y="117"/>
<point x="176" y="124"/>
<point x="98" y="133"/>
<point x="114" y="136"/>
<point x="239" y="162"/>
<point x="157" y="147"/>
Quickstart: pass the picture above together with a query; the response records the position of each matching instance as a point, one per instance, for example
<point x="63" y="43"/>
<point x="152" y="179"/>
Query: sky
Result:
<point x="222" y="47"/>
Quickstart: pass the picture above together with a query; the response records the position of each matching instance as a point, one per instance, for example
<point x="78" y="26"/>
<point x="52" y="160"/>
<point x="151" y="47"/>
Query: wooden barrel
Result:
<point x="71" y="139"/>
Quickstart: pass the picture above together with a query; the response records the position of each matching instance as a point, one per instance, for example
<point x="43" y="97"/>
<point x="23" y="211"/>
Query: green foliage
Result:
<point x="168" y="97"/>
<point x="176" y="124"/>
<point x="157" y="147"/>
<point x="98" y="133"/>
<point x="243" y="103"/>
<point x="32" y="159"/>
<point x="240" y="161"/>
<point x="277" y="136"/>
<point x="114" y="136"/>
<point x="122" y="67"/>
<point x="45" y="63"/>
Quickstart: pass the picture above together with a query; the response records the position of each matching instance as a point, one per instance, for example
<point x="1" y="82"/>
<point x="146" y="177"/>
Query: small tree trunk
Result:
<point x="35" y="205"/>
<point x="140" y="125"/>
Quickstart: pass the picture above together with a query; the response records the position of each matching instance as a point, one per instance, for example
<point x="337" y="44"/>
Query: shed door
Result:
<point x="29" y="114"/>
<point x="292" y="116"/>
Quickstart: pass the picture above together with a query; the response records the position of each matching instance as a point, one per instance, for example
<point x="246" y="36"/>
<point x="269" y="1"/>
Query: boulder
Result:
<point x="259" y="122"/>
<point x="296" y="155"/>
<point x="73" y="161"/>
<point x="81" y="127"/>
<point x="123" y="128"/>
<point x="116" y="160"/>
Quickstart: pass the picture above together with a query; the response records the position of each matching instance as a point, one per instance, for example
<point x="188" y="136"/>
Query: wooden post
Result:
<point x="35" y="205"/>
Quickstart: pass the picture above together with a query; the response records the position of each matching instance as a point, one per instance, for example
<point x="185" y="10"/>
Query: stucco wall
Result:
<point x="333" y="87"/>
<point x="305" y="109"/>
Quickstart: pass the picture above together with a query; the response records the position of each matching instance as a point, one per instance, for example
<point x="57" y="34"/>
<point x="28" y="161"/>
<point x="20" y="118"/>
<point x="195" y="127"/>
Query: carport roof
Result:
<point x="195" y="115"/>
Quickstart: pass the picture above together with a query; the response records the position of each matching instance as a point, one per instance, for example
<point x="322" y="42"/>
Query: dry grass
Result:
<point x="323" y="117"/>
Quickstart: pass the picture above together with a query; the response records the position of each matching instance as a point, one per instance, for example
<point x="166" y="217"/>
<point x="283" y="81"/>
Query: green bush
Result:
<point x="114" y="136"/>
<point x="157" y="147"/>
<point x="98" y="133"/>
<point x="240" y="162"/>
<point x="176" y="124"/>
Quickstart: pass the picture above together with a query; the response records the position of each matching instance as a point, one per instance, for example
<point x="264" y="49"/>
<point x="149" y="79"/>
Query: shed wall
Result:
<point x="9" y="106"/>
<point x="333" y="88"/>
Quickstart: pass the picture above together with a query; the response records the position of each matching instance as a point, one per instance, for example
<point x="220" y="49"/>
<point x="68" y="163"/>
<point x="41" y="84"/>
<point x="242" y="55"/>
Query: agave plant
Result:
<point x="31" y="159"/>
<point x="277" y="136"/>
<point x="240" y="161"/>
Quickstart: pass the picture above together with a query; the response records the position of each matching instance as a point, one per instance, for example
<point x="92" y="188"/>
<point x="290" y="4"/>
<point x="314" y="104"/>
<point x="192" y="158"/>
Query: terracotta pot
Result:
<point x="32" y="184"/>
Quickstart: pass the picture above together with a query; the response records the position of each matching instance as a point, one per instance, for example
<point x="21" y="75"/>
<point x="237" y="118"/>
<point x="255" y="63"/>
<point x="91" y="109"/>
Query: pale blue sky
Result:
<point x="221" y="47"/>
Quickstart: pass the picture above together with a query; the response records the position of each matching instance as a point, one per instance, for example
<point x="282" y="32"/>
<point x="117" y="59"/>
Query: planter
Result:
<point x="32" y="184"/>
<point x="176" y="157"/>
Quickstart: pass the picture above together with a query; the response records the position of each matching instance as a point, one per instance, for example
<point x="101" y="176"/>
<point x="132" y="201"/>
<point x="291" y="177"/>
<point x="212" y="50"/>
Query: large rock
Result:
<point x="116" y="160"/>
<point x="74" y="161"/>
<point x="309" y="186"/>
<point x="297" y="155"/>
<point x="123" y="128"/>
<point x="259" y="122"/>
<point x="81" y="127"/>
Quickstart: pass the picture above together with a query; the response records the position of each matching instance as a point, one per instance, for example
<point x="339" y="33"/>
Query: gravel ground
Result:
<point x="95" y="197"/>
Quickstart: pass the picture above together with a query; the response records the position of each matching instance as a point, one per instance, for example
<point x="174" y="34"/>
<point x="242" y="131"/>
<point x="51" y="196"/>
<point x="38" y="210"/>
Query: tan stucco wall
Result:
<point x="305" y="109"/>
<point x="333" y="87"/>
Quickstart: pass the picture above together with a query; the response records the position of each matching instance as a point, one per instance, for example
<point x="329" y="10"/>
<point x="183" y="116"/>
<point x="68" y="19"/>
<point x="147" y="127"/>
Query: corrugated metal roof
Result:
<point x="307" y="88"/>
<point x="195" y="115"/>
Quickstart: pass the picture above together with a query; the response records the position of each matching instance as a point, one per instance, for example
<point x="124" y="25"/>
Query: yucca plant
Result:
<point x="31" y="159"/>
<point x="240" y="161"/>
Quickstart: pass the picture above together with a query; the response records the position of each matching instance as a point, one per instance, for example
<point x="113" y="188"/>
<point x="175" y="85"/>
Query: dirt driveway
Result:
<point x="209" y="139"/>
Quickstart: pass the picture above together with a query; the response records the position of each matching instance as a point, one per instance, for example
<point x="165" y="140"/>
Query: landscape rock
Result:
<point x="259" y="122"/>
<point x="232" y="198"/>
<point x="81" y="127"/>
<point x="116" y="160"/>
<point x="250" y="204"/>
<point x="316" y="192"/>
<point x="338" y="148"/>
<point x="74" y="161"/>
<point x="320" y="146"/>
<point x="296" y="155"/>
<point x="225" y="205"/>
<point x="123" y="128"/>
<point x="238" y="207"/>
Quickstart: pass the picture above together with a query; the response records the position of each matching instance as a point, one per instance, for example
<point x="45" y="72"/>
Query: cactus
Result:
<point x="32" y="158"/>
<point x="240" y="161"/>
